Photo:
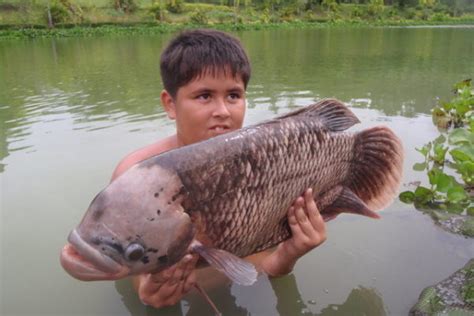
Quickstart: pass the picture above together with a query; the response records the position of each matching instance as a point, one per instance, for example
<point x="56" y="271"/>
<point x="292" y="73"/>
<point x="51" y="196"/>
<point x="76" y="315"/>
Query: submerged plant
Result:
<point x="449" y="159"/>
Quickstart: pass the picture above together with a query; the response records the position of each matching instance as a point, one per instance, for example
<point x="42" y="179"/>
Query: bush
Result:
<point x="423" y="14"/>
<point x="357" y="12"/>
<point x="288" y="12"/>
<point x="375" y="8"/>
<point x="59" y="13"/>
<point x="127" y="6"/>
<point x="199" y="17"/>
<point x="330" y="5"/>
<point x="206" y="7"/>
<point x="410" y="13"/>
<point x="439" y="17"/>
<point x="265" y="17"/>
<point x="223" y="17"/>
<point x="176" y="6"/>
<point x="158" y="12"/>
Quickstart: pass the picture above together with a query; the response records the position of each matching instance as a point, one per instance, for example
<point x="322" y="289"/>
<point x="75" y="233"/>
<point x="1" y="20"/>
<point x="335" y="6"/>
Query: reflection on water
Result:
<point x="269" y="297"/>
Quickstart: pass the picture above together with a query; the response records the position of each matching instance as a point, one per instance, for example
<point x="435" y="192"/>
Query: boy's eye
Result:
<point x="234" y="96"/>
<point x="204" y="96"/>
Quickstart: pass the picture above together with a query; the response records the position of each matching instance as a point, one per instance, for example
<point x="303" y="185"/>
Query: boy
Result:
<point x="205" y="75"/>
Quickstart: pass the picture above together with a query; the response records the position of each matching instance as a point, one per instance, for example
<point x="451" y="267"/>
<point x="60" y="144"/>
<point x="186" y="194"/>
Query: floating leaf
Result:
<point x="456" y="194"/>
<point x="407" y="197"/>
<point x="420" y="166"/>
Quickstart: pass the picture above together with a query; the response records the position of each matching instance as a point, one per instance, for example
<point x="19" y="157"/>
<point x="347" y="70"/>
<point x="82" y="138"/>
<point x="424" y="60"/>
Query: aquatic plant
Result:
<point x="449" y="161"/>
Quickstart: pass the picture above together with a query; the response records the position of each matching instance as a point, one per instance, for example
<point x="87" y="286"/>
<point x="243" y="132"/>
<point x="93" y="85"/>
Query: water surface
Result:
<point x="70" y="109"/>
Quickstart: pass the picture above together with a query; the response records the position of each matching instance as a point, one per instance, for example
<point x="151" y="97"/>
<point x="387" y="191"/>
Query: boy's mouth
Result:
<point x="219" y="129"/>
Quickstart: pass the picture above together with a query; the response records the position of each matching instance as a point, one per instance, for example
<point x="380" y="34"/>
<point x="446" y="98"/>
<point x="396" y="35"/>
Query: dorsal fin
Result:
<point x="332" y="113"/>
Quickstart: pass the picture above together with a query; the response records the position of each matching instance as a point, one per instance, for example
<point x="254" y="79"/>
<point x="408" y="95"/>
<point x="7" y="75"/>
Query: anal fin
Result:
<point x="238" y="270"/>
<point x="347" y="202"/>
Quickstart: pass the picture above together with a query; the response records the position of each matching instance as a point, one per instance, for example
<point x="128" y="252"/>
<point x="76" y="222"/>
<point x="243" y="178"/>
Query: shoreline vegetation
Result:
<point x="65" y="18"/>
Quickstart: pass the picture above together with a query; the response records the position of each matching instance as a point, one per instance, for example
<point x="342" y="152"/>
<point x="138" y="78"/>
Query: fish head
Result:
<point x="135" y="225"/>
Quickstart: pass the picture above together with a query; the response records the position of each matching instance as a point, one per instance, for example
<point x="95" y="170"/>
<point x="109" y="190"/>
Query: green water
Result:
<point x="70" y="109"/>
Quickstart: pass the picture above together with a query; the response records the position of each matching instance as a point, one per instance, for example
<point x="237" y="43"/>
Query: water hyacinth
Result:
<point x="449" y="162"/>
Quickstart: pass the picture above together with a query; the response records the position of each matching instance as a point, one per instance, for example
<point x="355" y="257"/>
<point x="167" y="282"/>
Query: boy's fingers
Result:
<point x="189" y="283"/>
<point x="164" y="275"/>
<point x="147" y="288"/>
<point x="312" y="209"/>
<point x="179" y="273"/>
<point x="305" y="225"/>
<point x="291" y="217"/>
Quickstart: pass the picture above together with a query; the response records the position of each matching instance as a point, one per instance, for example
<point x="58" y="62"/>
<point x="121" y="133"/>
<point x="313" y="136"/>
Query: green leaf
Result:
<point x="461" y="136"/>
<point x="455" y="208"/>
<point x="425" y="149"/>
<point x="470" y="211"/>
<point x="456" y="194"/>
<point x="463" y="153"/>
<point x="444" y="182"/>
<point x="447" y="106"/>
<point x="433" y="175"/>
<point x="423" y="194"/>
<point x="462" y="107"/>
<point x="440" y="139"/>
<point x="466" y="83"/>
<point x="420" y="166"/>
<point x="407" y="197"/>
<point x="440" y="153"/>
<point x="465" y="167"/>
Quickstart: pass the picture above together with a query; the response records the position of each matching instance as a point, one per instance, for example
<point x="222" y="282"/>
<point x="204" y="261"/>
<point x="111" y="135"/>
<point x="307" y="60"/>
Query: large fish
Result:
<point x="227" y="197"/>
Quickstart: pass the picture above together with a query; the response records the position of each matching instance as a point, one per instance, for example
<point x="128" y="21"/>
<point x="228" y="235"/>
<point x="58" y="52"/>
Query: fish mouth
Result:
<point x="84" y="262"/>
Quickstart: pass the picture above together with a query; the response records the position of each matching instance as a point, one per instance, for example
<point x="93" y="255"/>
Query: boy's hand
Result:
<point x="308" y="231"/>
<point x="167" y="287"/>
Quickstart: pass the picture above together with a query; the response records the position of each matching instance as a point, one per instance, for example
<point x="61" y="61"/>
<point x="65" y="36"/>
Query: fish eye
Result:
<point x="134" y="252"/>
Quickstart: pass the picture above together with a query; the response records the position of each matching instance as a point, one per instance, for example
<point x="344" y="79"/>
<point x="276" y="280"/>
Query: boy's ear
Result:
<point x="168" y="104"/>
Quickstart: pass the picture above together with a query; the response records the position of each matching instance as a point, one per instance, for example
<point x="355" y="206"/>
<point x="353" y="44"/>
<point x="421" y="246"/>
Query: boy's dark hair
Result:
<point x="193" y="53"/>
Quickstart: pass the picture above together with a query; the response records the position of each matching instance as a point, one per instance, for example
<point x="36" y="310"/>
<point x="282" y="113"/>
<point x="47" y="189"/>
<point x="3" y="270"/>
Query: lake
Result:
<point x="71" y="108"/>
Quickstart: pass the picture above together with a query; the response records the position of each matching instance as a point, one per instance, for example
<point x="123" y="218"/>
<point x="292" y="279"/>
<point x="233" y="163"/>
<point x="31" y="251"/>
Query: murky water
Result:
<point x="70" y="109"/>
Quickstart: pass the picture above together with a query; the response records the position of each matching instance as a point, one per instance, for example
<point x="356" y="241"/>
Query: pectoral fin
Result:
<point x="348" y="202"/>
<point x="235" y="268"/>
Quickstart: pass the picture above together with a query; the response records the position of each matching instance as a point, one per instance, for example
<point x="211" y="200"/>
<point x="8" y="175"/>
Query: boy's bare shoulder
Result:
<point x="143" y="153"/>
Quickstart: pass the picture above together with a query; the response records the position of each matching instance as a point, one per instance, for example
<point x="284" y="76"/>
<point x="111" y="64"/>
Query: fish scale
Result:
<point x="270" y="173"/>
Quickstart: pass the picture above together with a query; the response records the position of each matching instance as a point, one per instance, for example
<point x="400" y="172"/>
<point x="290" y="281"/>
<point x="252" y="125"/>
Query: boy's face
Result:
<point x="207" y="106"/>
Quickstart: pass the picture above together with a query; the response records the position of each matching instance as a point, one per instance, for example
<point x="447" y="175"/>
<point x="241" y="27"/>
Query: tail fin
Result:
<point x="377" y="167"/>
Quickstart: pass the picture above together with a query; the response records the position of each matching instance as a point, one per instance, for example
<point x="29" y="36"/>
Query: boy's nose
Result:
<point x="221" y="109"/>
